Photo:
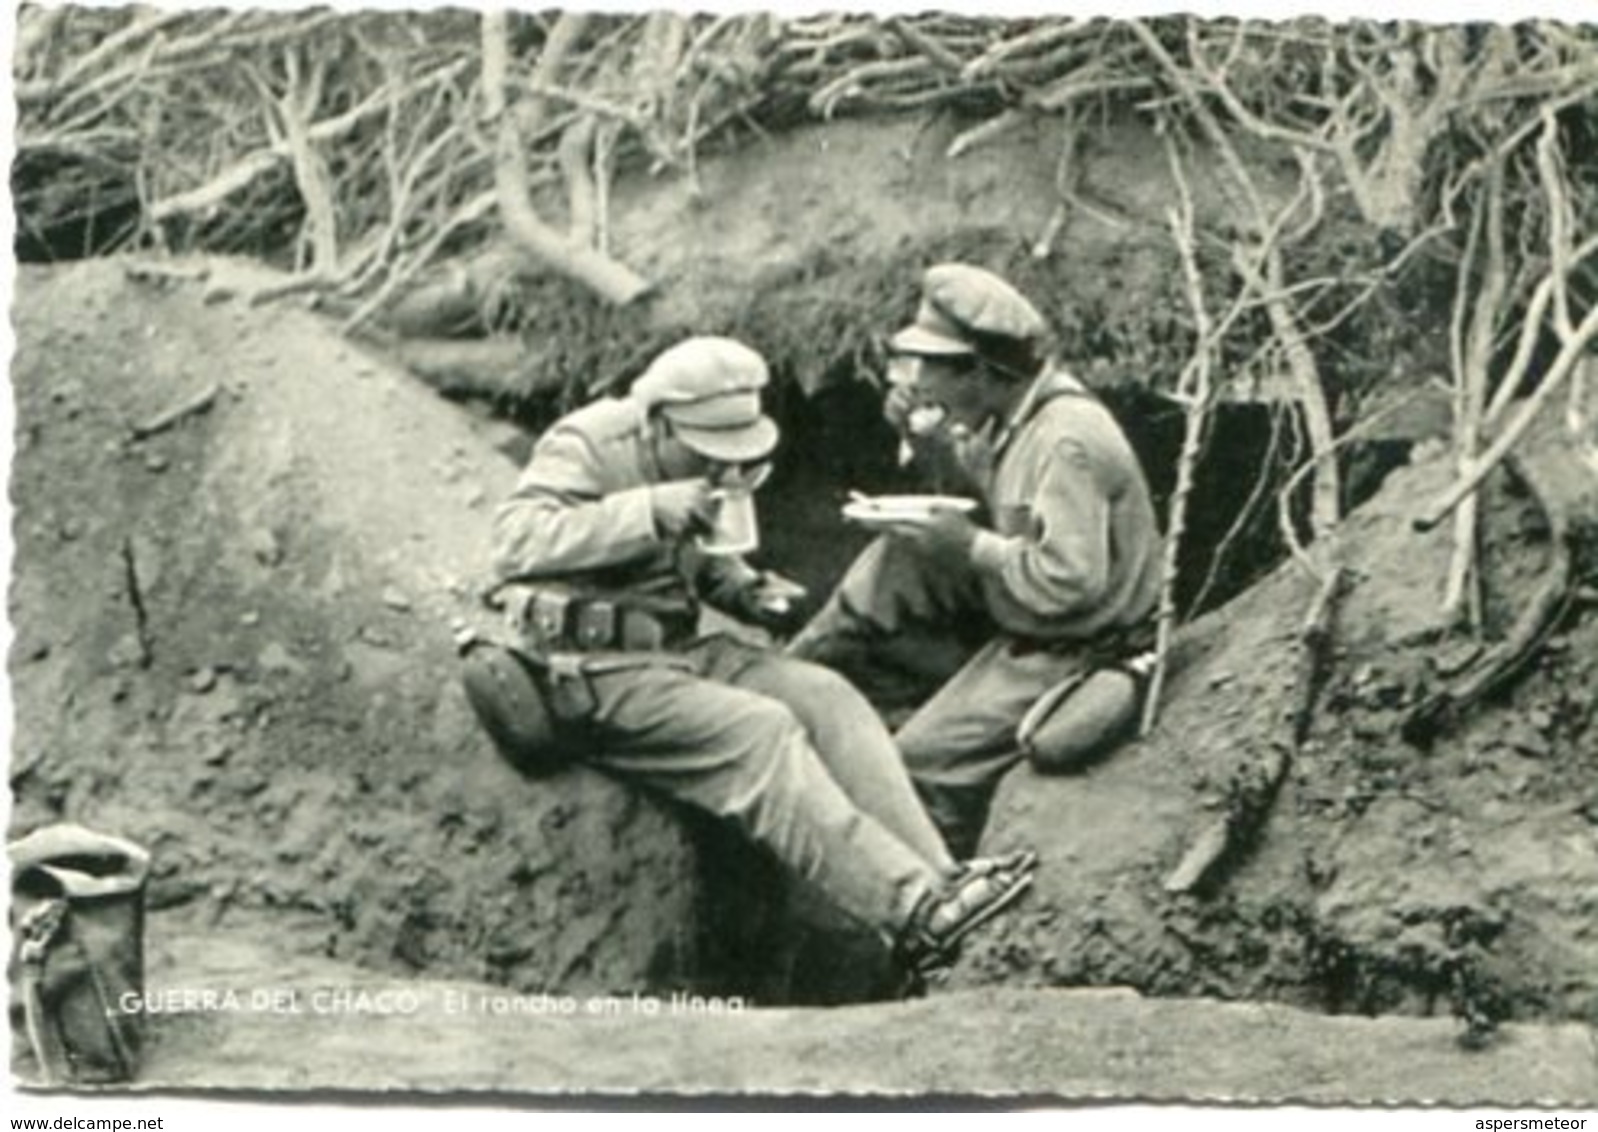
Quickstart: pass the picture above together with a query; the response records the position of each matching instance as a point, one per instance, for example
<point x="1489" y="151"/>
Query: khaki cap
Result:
<point x="960" y="306"/>
<point x="709" y="389"/>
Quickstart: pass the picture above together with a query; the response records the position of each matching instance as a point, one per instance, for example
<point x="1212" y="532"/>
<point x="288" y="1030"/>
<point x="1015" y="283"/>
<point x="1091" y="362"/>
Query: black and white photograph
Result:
<point x="772" y="557"/>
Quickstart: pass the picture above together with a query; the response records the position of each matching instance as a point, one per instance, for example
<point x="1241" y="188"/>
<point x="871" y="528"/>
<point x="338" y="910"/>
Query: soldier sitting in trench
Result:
<point x="603" y="542"/>
<point x="996" y="622"/>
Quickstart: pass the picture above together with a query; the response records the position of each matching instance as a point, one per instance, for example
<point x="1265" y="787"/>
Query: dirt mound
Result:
<point x="1462" y="877"/>
<point x="232" y="645"/>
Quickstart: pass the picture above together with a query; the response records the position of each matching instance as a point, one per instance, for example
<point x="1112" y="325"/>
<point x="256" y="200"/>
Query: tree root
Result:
<point x="1257" y="780"/>
<point x="1558" y="482"/>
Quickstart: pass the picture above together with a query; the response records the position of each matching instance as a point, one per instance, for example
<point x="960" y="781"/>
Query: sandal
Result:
<point x="977" y="892"/>
<point x="1018" y="861"/>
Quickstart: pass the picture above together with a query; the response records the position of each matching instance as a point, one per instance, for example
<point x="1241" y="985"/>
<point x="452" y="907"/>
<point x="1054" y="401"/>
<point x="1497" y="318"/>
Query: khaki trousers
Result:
<point x="904" y="628"/>
<point x="793" y="755"/>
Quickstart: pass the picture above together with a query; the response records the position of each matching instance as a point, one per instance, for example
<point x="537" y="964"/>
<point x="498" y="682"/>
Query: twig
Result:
<point x="1326" y="504"/>
<point x="1194" y="385"/>
<point x="1315" y="652"/>
<point x="1361" y="430"/>
<point x="1578" y="426"/>
<point x="1051" y="34"/>
<point x="1284" y="505"/>
<point x="1246" y="514"/>
<point x="305" y="283"/>
<point x="37" y="28"/>
<point x="985" y="132"/>
<point x="201" y="402"/>
<point x="169" y="54"/>
<point x="470" y="212"/>
<point x="248" y="169"/>
<point x="588" y="103"/>
<point x="1257" y="781"/>
<point x="925" y="44"/>
<point x="293" y="110"/>
<point x="1067" y="91"/>
<point x="1472" y="355"/>
<point x="407" y="165"/>
<point x="576" y="162"/>
<point x="1215" y="81"/>
<point x="1043" y="246"/>
<point x="1068" y="173"/>
<point x="604" y="167"/>
<point x="1560" y="220"/>
<point x="1265" y="273"/>
<point x="853" y="82"/>
<point x="144" y="271"/>
<point x="1547" y="606"/>
<point x="121" y="82"/>
<point x="135" y="592"/>
<point x="1531" y="325"/>
<point x="143" y="25"/>
<point x="246" y="29"/>
<point x="109" y="74"/>
<point x="1374" y="280"/>
<point x="609" y="278"/>
<point x="1569" y="355"/>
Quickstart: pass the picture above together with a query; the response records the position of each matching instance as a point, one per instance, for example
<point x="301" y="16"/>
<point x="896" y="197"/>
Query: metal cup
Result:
<point x="733" y="527"/>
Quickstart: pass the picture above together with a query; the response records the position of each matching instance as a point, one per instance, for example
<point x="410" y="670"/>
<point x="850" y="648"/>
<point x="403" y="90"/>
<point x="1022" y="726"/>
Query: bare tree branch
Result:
<point x="245" y="172"/>
<point x="1569" y="358"/>
<point x="1194" y="386"/>
<point x="608" y="278"/>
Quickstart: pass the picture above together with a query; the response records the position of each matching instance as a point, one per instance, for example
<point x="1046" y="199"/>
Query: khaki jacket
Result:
<point x="581" y="514"/>
<point x="1076" y="546"/>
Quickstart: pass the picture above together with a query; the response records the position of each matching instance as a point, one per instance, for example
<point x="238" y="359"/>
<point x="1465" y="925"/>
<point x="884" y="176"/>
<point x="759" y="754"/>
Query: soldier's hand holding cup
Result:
<point x="681" y="507"/>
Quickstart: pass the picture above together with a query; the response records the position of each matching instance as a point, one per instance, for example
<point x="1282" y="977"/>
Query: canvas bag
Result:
<point x="77" y="962"/>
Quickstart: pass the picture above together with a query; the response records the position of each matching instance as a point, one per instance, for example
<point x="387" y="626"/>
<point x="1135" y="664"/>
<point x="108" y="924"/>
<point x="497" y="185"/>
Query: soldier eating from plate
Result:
<point x="606" y="549"/>
<point x="1059" y="571"/>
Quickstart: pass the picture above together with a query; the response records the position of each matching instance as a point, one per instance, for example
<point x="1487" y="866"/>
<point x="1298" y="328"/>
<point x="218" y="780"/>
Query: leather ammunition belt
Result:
<point x="1106" y="648"/>
<point x="559" y="620"/>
